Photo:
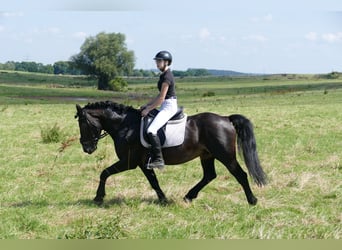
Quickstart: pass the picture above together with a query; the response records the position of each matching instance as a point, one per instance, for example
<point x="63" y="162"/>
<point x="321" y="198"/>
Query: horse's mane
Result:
<point x="117" y="107"/>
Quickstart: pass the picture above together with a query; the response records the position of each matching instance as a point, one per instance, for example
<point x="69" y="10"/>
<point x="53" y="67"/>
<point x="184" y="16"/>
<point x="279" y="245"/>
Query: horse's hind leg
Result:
<point x="235" y="169"/>
<point x="152" y="179"/>
<point x="209" y="174"/>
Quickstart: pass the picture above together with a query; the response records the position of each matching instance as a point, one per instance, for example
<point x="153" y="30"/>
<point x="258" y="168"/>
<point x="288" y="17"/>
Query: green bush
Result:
<point x="334" y="75"/>
<point x="117" y="84"/>
<point x="208" y="94"/>
<point x="51" y="134"/>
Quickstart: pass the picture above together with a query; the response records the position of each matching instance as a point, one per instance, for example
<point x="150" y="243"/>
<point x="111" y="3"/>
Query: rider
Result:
<point x="167" y="101"/>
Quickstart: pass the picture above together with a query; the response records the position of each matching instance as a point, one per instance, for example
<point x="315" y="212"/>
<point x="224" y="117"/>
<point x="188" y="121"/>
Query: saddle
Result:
<point x="170" y="135"/>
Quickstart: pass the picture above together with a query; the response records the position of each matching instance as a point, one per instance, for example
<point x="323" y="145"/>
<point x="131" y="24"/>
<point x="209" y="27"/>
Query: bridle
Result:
<point x="95" y="138"/>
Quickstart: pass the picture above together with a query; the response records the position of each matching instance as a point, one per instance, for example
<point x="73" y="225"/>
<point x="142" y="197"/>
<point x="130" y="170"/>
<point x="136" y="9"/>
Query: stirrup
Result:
<point x="152" y="165"/>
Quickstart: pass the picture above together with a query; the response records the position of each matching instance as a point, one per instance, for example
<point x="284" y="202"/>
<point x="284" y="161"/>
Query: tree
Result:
<point x="45" y="69"/>
<point x="26" y="66"/>
<point x="106" y="57"/>
<point x="60" y="67"/>
<point x="10" y="65"/>
<point x="66" y="68"/>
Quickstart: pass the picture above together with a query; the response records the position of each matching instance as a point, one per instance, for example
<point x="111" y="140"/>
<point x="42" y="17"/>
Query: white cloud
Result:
<point x="222" y="39"/>
<point x="53" y="30"/>
<point x="311" y="36"/>
<point x="129" y="40"/>
<point x="332" y="37"/>
<point x="28" y="40"/>
<point x="204" y="33"/>
<point x="2" y="28"/>
<point x="100" y="5"/>
<point x="34" y="31"/>
<point x="11" y="14"/>
<point x="266" y="18"/>
<point x="326" y="37"/>
<point x="257" y="38"/>
<point x="186" y="37"/>
<point x="80" y="35"/>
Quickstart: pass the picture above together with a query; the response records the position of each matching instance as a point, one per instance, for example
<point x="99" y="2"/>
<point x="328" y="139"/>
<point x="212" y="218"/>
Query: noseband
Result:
<point x="95" y="138"/>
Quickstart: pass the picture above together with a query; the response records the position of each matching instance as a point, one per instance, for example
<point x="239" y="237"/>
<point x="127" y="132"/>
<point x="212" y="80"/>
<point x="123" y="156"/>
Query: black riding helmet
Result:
<point x="164" y="55"/>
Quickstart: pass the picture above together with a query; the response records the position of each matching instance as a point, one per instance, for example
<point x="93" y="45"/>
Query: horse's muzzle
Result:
<point x="89" y="149"/>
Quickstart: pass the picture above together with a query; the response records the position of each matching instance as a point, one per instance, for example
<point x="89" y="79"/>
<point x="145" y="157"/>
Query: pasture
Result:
<point x="47" y="188"/>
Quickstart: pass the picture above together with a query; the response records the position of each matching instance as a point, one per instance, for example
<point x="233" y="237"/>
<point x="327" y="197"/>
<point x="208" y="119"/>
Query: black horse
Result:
<point x="207" y="135"/>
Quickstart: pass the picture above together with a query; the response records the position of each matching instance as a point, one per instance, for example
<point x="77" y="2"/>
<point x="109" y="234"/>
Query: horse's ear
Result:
<point x="79" y="110"/>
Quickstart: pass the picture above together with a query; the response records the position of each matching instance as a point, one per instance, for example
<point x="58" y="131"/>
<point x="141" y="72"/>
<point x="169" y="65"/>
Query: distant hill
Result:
<point x="214" y="72"/>
<point x="194" y="72"/>
<point x="217" y="72"/>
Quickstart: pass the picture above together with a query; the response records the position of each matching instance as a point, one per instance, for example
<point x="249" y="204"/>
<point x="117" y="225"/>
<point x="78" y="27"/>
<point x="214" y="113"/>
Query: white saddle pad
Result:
<point x="174" y="133"/>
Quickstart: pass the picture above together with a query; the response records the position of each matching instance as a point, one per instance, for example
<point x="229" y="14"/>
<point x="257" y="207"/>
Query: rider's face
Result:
<point x="161" y="64"/>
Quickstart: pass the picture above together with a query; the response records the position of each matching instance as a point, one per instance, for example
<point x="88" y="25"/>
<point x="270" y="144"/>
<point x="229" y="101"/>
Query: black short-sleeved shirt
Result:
<point x="167" y="77"/>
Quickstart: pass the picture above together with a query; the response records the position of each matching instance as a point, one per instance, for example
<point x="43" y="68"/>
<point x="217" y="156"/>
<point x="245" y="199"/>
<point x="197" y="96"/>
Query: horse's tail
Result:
<point x="247" y="144"/>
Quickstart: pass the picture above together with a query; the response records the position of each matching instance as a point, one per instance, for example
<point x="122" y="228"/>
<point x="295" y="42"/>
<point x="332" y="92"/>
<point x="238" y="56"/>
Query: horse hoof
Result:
<point x="98" y="201"/>
<point x="163" y="201"/>
<point x="187" y="200"/>
<point x="253" y="201"/>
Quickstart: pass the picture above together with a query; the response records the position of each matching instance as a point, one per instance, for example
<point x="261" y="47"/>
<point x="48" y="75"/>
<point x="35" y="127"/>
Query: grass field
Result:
<point x="47" y="189"/>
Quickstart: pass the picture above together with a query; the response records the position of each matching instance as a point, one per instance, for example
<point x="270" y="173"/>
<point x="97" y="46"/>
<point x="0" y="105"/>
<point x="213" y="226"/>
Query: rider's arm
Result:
<point x="157" y="101"/>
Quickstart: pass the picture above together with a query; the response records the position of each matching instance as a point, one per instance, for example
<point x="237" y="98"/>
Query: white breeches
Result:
<point x="167" y="110"/>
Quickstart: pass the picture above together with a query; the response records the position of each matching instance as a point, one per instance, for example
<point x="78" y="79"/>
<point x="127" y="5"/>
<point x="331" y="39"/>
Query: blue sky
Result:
<point x="248" y="36"/>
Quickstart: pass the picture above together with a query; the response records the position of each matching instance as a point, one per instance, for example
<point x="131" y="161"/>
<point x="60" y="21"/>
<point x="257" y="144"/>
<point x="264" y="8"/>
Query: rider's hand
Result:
<point x="145" y="112"/>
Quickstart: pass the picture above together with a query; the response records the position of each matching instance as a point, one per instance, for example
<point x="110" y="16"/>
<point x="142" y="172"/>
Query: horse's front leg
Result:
<point x="117" y="167"/>
<point x="152" y="179"/>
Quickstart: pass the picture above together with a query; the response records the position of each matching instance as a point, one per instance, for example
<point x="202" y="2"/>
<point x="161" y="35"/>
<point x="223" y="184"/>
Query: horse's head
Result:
<point x="90" y="129"/>
<point x="108" y="116"/>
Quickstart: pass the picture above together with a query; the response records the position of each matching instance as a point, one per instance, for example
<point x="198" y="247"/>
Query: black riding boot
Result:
<point x="157" y="160"/>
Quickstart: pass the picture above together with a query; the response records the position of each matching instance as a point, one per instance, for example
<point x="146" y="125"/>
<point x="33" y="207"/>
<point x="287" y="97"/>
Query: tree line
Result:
<point x="105" y="57"/>
<point x="67" y="68"/>
<point x="59" y="68"/>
